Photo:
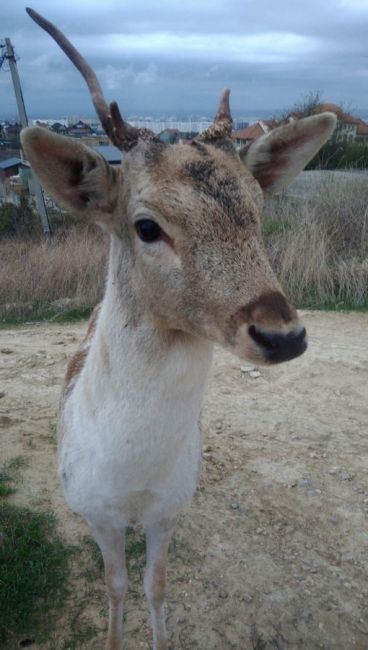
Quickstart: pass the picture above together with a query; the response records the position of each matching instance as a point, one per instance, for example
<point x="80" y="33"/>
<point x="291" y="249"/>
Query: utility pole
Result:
<point x="36" y="187"/>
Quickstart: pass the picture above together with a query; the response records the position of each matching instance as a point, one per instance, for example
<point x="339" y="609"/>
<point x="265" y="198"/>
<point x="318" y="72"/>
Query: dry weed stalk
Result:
<point x="318" y="248"/>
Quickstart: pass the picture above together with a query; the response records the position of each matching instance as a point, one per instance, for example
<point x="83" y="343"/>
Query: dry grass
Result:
<point x="319" y="250"/>
<point x="35" y="274"/>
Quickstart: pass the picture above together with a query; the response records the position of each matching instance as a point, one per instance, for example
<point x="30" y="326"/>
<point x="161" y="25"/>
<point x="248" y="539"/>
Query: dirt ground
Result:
<point x="273" y="551"/>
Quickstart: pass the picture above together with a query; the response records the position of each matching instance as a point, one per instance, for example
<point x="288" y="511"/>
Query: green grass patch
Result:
<point x="272" y="227"/>
<point x="94" y="569"/>
<point x="9" y="474"/>
<point x="339" y="306"/>
<point x="34" y="568"/>
<point x="135" y="553"/>
<point x="34" y="574"/>
<point x="47" y="314"/>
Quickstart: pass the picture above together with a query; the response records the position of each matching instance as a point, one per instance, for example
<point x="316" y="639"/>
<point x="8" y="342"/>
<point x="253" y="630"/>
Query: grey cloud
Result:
<point x="177" y="56"/>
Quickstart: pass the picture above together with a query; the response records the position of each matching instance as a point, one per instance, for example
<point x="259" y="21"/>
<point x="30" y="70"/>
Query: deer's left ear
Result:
<point x="277" y="157"/>
<point x="73" y="174"/>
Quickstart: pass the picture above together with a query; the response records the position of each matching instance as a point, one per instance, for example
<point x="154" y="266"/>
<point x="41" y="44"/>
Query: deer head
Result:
<point x="188" y="218"/>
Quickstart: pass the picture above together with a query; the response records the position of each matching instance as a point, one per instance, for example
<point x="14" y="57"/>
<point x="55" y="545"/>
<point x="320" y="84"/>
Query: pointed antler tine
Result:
<point x="223" y="112"/>
<point x="222" y="123"/>
<point x="115" y="114"/>
<point x="122" y="134"/>
<point x="126" y="136"/>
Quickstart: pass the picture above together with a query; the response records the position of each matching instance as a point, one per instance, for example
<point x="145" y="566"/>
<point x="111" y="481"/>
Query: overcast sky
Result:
<point x="175" y="57"/>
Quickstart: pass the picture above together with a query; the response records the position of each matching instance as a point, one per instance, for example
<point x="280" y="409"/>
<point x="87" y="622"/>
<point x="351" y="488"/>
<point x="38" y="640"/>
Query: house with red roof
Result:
<point x="246" y="136"/>
<point x="348" y="128"/>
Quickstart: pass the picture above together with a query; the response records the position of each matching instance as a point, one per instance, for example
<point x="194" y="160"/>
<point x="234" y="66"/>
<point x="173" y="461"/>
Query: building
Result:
<point x="240" y="123"/>
<point x="9" y="179"/>
<point x="348" y="129"/>
<point x="347" y="124"/>
<point x="59" y="128"/>
<point x="79" y="130"/>
<point x="251" y="133"/>
<point x="11" y="133"/>
<point x="11" y="167"/>
<point x="362" y="132"/>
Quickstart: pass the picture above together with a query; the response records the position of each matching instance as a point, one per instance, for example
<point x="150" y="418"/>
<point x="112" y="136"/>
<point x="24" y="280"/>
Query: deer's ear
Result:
<point x="277" y="157"/>
<point x="73" y="174"/>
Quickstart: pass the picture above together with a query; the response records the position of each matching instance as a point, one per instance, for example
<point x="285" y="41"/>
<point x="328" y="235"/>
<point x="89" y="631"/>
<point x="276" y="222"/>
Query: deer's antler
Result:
<point x="223" y="122"/>
<point x="122" y="134"/>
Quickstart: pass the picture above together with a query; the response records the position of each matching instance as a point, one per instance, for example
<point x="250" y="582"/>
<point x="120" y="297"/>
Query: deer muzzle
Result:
<point x="267" y="330"/>
<point x="276" y="347"/>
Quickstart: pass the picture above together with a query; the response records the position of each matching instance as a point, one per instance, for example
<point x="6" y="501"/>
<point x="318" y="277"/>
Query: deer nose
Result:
<point x="277" y="347"/>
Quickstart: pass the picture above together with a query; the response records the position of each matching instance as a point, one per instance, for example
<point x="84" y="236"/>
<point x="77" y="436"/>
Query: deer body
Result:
<point x="130" y="445"/>
<point x="187" y="269"/>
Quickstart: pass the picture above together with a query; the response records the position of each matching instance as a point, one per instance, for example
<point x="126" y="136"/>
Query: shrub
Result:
<point x="341" y="155"/>
<point x="18" y="220"/>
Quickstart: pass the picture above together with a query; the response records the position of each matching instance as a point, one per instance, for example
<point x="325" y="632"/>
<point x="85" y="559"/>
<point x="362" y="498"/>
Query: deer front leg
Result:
<point x="112" y="545"/>
<point x="157" y="544"/>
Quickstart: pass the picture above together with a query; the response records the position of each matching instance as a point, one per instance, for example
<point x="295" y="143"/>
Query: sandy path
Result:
<point x="273" y="551"/>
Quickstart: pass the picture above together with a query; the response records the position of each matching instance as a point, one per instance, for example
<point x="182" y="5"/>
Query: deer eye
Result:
<point x="148" y="230"/>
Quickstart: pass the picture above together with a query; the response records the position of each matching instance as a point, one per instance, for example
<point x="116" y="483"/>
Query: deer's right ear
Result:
<point x="277" y="157"/>
<point x="74" y="175"/>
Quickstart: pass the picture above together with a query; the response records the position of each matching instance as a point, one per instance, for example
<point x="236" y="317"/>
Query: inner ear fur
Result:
<point x="77" y="177"/>
<point x="277" y="157"/>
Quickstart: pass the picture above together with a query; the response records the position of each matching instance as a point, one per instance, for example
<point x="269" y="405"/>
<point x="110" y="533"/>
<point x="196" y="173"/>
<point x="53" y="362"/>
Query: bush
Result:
<point x="341" y="155"/>
<point x="18" y="220"/>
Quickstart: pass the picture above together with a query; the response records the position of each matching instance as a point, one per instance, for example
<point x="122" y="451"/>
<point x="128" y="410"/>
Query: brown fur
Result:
<point x="268" y="308"/>
<point x="159" y="579"/>
<point x="275" y="158"/>
<point x="212" y="281"/>
<point x="214" y="269"/>
<point x="217" y="130"/>
<point x="77" y="361"/>
<point x="209" y="205"/>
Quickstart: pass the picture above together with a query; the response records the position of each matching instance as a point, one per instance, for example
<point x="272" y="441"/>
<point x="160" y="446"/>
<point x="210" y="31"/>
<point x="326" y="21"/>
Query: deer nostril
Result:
<point x="263" y="339"/>
<point x="276" y="346"/>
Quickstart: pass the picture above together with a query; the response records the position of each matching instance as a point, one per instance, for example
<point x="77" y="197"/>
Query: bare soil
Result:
<point x="273" y="551"/>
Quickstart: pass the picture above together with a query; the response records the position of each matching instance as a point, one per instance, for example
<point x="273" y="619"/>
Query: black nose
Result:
<point x="277" y="347"/>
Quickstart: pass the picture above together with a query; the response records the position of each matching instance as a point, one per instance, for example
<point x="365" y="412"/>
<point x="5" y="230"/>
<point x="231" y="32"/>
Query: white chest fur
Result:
<point x="130" y="449"/>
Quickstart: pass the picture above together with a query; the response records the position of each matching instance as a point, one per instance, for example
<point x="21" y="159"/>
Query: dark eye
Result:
<point x="148" y="230"/>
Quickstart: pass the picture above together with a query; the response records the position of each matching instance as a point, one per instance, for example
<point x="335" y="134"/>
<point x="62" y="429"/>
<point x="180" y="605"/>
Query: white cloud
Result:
<point x="113" y="77"/>
<point x="270" y="47"/>
<point x="147" y="76"/>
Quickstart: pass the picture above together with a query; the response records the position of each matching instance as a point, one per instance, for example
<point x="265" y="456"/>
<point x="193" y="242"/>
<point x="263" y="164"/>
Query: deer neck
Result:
<point x="129" y="337"/>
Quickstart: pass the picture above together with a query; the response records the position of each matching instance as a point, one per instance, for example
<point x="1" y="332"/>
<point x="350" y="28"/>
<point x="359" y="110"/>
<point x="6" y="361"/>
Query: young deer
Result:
<point x="187" y="269"/>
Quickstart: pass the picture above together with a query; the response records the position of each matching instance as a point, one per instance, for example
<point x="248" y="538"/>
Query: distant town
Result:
<point x="14" y="170"/>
